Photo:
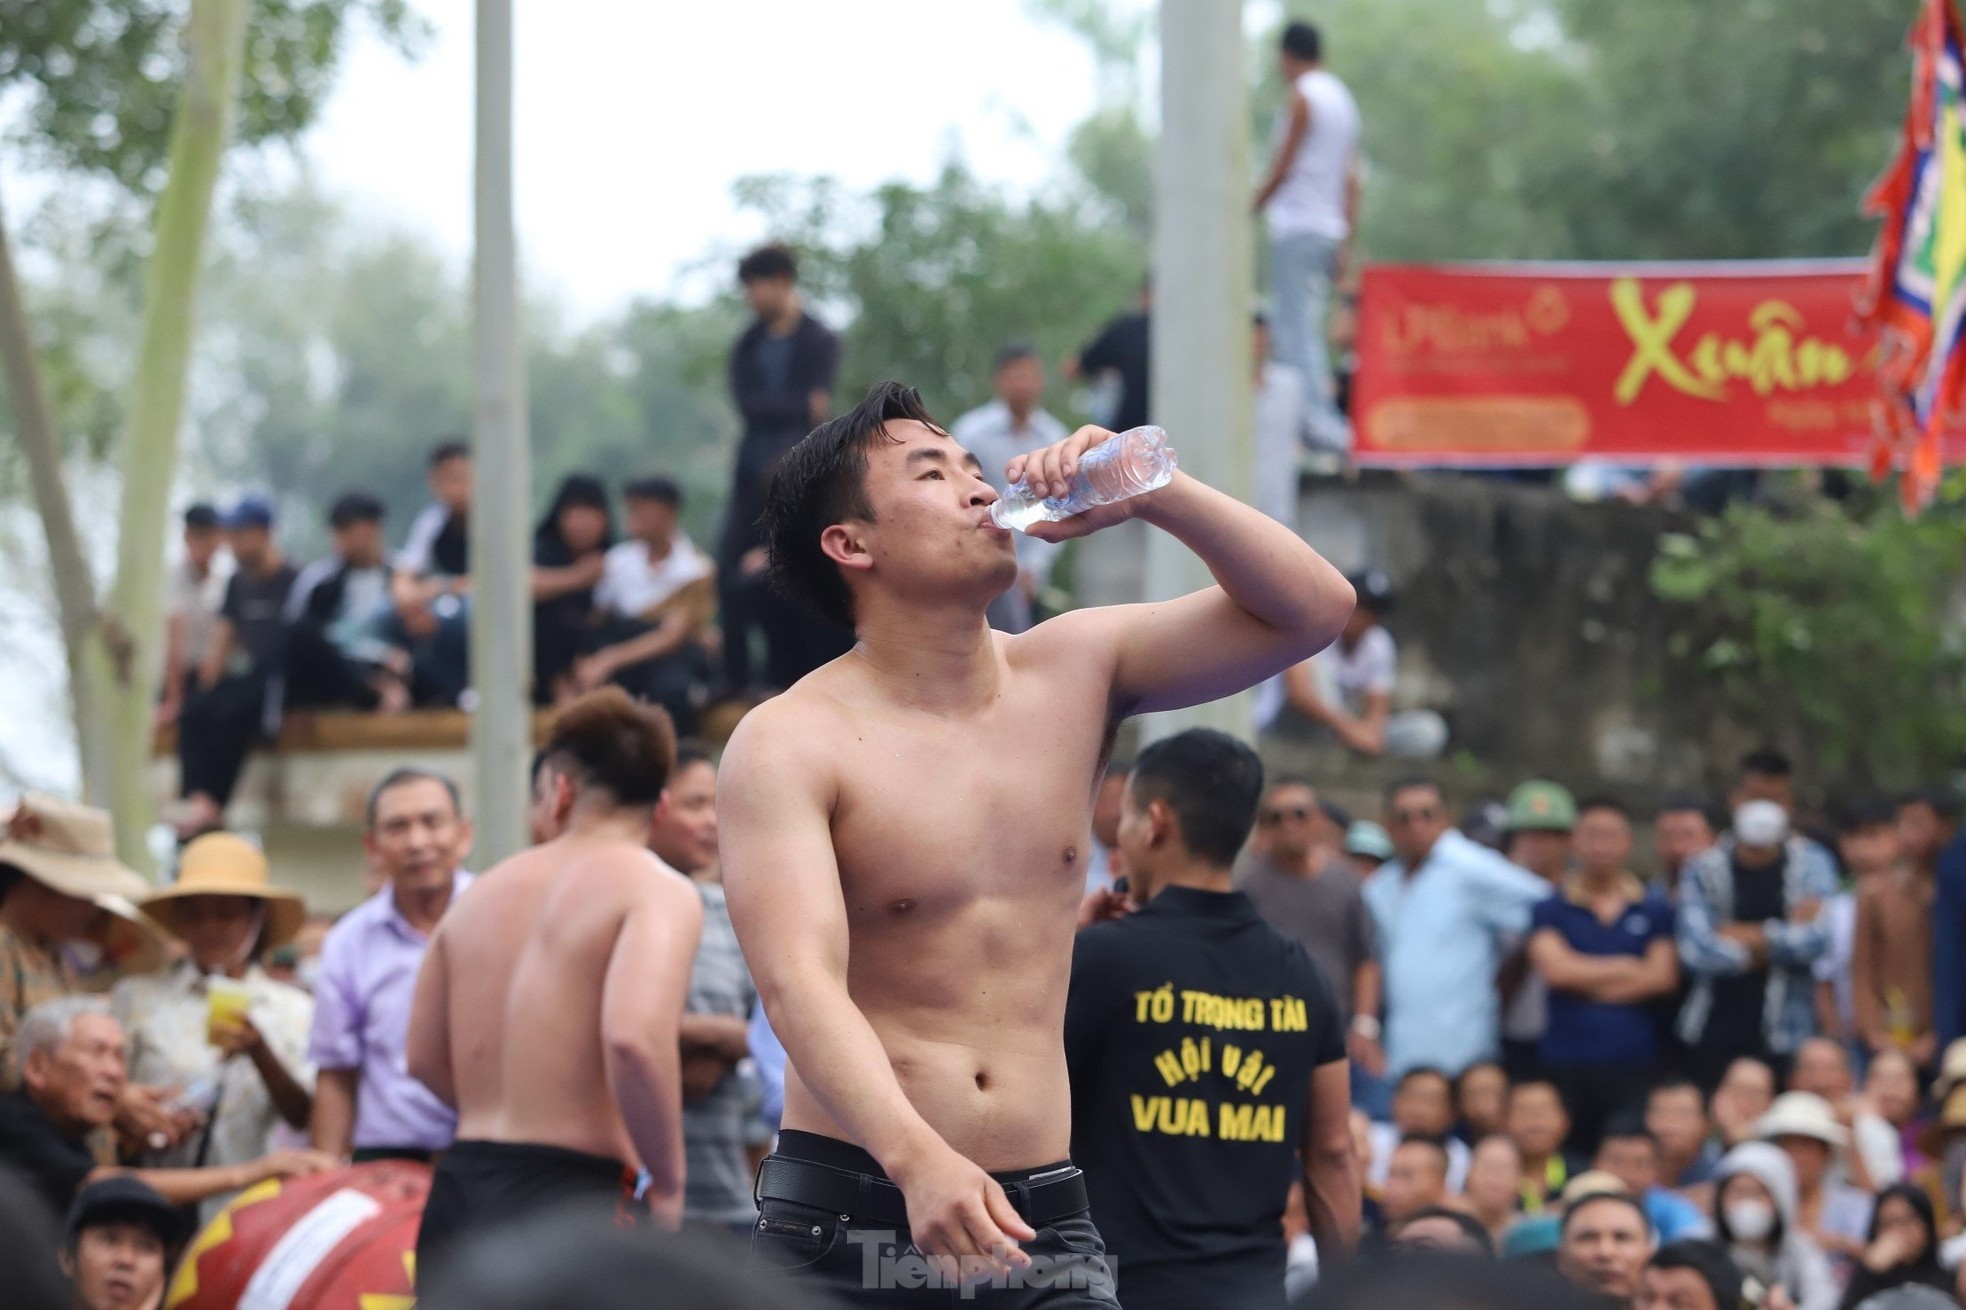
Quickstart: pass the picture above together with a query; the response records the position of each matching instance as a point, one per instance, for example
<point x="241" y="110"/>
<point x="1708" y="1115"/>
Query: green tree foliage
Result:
<point x="1825" y="629"/>
<point x="935" y="279"/>
<point x="100" y="78"/>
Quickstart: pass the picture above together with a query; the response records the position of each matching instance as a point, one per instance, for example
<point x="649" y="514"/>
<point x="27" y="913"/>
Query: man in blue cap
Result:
<point x="227" y="707"/>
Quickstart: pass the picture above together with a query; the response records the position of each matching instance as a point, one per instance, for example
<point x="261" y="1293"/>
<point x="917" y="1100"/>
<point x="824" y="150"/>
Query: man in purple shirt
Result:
<point x="365" y="1101"/>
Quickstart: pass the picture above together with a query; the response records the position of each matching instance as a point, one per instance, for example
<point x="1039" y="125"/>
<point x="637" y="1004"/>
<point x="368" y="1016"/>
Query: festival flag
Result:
<point x="1916" y="295"/>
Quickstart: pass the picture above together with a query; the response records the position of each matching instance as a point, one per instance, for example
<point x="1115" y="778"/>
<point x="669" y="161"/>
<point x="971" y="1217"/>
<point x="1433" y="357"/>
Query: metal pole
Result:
<point x="1202" y="372"/>
<point x="501" y="619"/>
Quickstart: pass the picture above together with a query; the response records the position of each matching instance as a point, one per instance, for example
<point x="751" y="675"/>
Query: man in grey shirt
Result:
<point x="716" y="1017"/>
<point x="1296" y="874"/>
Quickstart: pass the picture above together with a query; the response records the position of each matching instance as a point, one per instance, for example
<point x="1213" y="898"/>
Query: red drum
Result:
<point x="336" y="1241"/>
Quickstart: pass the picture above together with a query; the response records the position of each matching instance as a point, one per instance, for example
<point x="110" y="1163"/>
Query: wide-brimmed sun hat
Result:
<point x="1801" y="1114"/>
<point x="71" y="849"/>
<point x="226" y="864"/>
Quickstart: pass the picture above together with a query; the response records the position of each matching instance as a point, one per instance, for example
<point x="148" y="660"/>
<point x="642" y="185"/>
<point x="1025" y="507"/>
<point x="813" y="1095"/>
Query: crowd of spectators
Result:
<point x="1737" y="1074"/>
<point x="251" y="639"/>
<point x="1745" y="1051"/>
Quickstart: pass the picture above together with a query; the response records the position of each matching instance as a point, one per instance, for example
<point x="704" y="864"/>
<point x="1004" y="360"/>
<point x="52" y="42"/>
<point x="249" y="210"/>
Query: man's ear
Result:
<point x="846" y="545"/>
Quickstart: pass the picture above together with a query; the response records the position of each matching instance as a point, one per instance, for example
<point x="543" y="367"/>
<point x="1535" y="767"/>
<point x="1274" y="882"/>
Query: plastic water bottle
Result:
<point x="1135" y="461"/>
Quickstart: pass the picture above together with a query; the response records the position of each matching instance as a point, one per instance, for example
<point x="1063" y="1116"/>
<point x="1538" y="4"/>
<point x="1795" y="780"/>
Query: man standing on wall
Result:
<point x="1310" y="199"/>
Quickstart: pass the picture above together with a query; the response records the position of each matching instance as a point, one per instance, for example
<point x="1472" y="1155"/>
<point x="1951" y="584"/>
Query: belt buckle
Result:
<point x="1020" y="1198"/>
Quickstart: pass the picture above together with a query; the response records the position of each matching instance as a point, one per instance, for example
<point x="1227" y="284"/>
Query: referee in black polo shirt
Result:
<point x="1207" y="1054"/>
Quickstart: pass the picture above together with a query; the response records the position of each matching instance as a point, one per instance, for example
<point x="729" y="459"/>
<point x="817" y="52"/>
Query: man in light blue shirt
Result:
<point x="1447" y="911"/>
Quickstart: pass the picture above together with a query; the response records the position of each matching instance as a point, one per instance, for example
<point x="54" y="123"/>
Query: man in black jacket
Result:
<point x="781" y="378"/>
<point x="335" y="653"/>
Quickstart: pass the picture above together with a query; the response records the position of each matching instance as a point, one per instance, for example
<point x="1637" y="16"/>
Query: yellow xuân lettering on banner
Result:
<point x="1778" y="357"/>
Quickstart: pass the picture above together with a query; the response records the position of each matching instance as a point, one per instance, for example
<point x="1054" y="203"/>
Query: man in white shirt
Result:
<point x="1013" y="424"/>
<point x="1310" y="199"/>
<point x="1346" y="690"/>
<point x="430" y="588"/>
<point x="654" y="597"/>
<point x="196" y="592"/>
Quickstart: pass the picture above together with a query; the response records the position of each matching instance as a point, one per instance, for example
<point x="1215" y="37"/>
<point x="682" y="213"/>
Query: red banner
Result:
<point x="1545" y="364"/>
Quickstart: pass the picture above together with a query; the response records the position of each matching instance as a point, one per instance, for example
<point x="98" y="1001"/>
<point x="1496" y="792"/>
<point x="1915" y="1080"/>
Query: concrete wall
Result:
<point x="1523" y="618"/>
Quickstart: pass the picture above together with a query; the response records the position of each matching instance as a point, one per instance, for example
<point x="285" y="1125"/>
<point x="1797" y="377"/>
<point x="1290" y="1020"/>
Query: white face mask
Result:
<point x="1750" y="1221"/>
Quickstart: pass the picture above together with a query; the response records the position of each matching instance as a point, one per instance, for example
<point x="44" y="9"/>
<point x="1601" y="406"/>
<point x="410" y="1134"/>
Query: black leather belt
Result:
<point x="876" y="1202"/>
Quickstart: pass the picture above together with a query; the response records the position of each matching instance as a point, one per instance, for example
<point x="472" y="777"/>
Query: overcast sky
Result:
<point x="633" y="119"/>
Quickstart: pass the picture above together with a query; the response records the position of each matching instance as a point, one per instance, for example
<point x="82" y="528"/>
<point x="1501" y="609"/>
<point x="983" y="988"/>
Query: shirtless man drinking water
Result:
<point x="549" y="1013"/>
<point x="903" y="838"/>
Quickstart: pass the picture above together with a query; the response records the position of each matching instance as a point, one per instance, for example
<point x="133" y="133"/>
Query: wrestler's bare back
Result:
<point x="962" y="841"/>
<point x="527" y="961"/>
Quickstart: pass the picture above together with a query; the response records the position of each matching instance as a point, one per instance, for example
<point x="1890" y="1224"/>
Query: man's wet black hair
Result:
<point x="823" y="481"/>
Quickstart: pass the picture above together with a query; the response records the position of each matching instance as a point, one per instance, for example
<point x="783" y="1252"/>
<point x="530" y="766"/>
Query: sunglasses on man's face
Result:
<point x="1299" y="813"/>
<point x="1421" y="815"/>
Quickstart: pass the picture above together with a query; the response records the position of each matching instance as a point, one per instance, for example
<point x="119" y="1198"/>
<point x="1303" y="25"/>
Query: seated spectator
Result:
<point x="1890" y="977"/>
<point x="1676" y="1116"/>
<point x="1423" y="1106"/>
<point x="1346" y="689"/>
<point x="1015" y="423"/>
<point x="1606" y="1240"/>
<point x="431" y="588"/>
<point x="1835" y="1215"/>
<point x="121" y="1241"/>
<point x="1691" y="1275"/>
<point x="1444" y="1231"/>
<point x="1481" y="1096"/>
<point x="1822" y="1067"/>
<point x="1416" y="1180"/>
<point x="1746" y="1092"/>
<point x="336" y="655"/>
<point x="1901" y="1248"/>
<point x="189" y="1025"/>
<point x="1538" y="1124"/>
<point x="72" y="1078"/>
<point x="1891" y="1094"/>
<point x="1631" y="1154"/>
<point x="654" y="596"/>
<point x="195" y="589"/>
<point x="227" y="710"/>
<point x="569" y="550"/>
<point x="1605" y="947"/>
<point x="1494" y="1187"/>
<point x="1750" y="929"/>
<point x="1755" y="1217"/>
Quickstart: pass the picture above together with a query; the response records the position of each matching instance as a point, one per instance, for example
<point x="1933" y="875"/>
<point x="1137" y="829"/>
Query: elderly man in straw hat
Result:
<point x="63" y="893"/>
<point x="229" y="1040"/>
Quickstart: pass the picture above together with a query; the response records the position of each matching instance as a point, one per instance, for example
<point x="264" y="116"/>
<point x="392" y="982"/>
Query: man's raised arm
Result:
<point x="782" y="882"/>
<point x="1276" y="601"/>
